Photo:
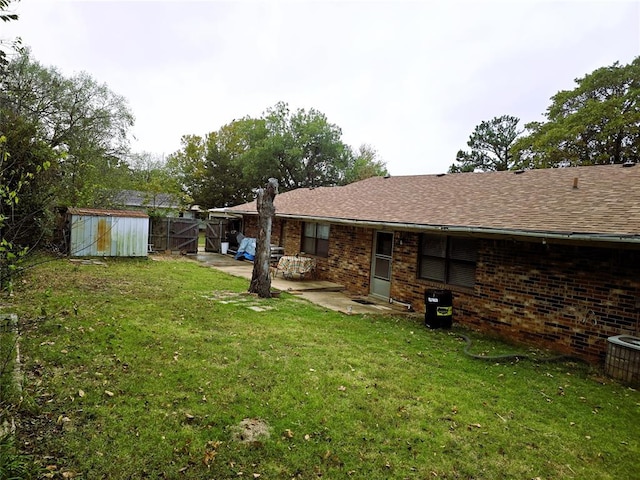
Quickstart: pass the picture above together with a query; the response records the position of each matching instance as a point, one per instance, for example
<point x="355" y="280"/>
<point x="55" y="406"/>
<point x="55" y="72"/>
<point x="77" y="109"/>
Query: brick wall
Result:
<point x="566" y="298"/>
<point x="277" y="229"/>
<point x="349" y="261"/>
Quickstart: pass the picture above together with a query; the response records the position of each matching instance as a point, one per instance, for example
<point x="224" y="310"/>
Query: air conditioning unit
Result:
<point x="623" y="359"/>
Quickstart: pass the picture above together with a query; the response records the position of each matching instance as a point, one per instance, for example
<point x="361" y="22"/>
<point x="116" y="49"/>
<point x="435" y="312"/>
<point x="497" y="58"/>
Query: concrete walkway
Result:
<point x="326" y="294"/>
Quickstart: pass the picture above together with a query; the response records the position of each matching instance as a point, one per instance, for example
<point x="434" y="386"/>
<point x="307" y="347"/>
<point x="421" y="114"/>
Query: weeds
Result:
<point x="162" y="369"/>
<point x="13" y="464"/>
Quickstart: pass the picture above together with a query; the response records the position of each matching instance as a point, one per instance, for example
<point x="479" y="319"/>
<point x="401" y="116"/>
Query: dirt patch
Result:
<point x="251" y="430"/>
<point x="170" y="257"/>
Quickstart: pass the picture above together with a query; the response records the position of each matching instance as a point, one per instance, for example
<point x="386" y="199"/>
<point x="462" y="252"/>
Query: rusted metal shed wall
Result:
<point x="106" y="233"/>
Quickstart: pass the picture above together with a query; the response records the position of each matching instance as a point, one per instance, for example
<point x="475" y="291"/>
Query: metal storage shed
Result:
<point x="108" y="233"/>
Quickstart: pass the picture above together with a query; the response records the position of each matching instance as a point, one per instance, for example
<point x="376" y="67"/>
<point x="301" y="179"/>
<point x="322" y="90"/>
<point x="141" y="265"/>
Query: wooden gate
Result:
<point x="222" y="229"/>
<point x="175" y="234"/>
<point x="214" y="231"/>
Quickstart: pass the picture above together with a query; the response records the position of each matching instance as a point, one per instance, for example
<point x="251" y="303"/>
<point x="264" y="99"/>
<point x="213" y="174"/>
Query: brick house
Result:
<point x="547" y="257"/>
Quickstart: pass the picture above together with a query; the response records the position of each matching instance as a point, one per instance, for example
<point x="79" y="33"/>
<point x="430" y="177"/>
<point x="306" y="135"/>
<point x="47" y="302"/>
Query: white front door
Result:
<point x="381" y="265"/>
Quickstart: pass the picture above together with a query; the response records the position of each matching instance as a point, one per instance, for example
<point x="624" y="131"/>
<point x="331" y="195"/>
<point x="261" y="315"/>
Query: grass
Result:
<point x="147" y="368"/>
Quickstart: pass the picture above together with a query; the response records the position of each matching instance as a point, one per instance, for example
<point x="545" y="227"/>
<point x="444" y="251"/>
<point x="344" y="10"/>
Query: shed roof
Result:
<point x="99" y="212"/>
<point x="594" y="200"/>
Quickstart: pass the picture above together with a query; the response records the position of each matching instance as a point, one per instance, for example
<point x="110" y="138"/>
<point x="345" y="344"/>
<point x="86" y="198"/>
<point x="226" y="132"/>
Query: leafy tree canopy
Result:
<point x="598" y="122"/>
<point x="298" y="149"/>
<point x="6" y="16"/>
<point x="79" y="118"/>
<point x="490" y="145"/>
<point x="364" y="163"/>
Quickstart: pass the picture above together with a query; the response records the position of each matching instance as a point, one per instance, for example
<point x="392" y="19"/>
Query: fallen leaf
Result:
<point x="342" y="388"/>
<point x="62" y="420"/>
<point x="288" y="433"/>
<point x="81" y="393"/>
<point x="109" y="393"/>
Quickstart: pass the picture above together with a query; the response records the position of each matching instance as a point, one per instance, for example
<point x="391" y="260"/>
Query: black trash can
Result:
<point x="439" y="308"/>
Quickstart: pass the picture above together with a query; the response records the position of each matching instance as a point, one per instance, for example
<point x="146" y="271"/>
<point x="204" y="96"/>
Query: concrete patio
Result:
<point x="326" y="294"/>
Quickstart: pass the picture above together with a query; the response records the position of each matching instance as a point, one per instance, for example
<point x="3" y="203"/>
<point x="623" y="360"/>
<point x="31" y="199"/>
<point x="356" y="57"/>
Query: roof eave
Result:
<point x="510" y="233"/>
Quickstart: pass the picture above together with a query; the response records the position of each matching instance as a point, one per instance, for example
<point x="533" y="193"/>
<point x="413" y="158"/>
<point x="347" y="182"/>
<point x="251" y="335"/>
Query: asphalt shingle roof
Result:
<point x="606" y="200"/>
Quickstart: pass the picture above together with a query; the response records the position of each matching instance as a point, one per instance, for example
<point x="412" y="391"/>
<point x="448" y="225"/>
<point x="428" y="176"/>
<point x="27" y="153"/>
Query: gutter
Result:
<point x="476" y="231"/>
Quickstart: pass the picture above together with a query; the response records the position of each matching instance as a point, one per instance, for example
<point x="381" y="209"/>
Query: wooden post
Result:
<point x="261" y="278"/>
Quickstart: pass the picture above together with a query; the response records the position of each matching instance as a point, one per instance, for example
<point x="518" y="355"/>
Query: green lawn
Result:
<point x="167" y="369"/>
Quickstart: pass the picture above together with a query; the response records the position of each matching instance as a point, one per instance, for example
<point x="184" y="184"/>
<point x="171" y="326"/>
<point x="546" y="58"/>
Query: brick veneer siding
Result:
<point x="251" y="228"/>
<point x="566" y="298"/>
<point x="349" y="261"/>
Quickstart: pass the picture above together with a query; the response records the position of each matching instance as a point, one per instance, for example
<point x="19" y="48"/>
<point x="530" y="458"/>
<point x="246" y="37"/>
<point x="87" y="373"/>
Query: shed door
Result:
<point x="381" y="265"/>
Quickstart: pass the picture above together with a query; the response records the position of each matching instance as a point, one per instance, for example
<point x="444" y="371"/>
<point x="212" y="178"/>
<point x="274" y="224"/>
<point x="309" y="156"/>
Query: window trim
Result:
<point x="316" y="239"/>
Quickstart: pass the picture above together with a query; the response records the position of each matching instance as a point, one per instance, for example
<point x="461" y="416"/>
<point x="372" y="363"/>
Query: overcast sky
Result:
<point x="410" y="78"/>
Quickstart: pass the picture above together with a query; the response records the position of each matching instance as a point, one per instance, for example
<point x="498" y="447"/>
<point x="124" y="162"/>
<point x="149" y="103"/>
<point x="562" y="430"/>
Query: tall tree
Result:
<point x="299" y="149"/>
<point x="6" y="16"/>
<point x="25" y="178"/>
<point x="236" y="162"/>
<point x="150" y="174"/>
<point x="26" y="193"/>
<point x="490" y="145"/>
<point x="78" y="117"/>
<point x="187" y="165"/>
<point x="217" y="170"/>
<point x="598" y="122"/>
<point x="364" y="163"/>
<point x="319" y="156"/>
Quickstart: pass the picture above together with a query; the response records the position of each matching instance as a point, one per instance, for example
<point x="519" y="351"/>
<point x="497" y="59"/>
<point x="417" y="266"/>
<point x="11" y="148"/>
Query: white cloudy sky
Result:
<point x="410" y="78"/>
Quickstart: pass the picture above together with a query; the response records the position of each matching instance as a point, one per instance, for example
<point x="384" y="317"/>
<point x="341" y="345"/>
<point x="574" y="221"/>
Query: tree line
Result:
<point x="299" y="149"/>
<point x="65" y="141"/>
<point x="596" y="123"/>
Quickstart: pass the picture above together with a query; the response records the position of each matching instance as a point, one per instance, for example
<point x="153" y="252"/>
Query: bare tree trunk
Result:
<point x="261" y="278"/>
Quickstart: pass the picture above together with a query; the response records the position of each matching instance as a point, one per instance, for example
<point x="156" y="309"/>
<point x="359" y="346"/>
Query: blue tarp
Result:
<point x="246" y="249"/>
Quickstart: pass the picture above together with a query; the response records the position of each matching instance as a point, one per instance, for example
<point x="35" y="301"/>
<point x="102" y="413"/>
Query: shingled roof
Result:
<point x="597" y="200"/>
<point x="138" y="199"/>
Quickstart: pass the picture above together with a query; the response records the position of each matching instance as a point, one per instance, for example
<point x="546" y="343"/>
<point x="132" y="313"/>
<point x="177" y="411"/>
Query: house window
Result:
<point x="315" y="239"/>
<point x="450" y="260"/>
